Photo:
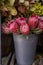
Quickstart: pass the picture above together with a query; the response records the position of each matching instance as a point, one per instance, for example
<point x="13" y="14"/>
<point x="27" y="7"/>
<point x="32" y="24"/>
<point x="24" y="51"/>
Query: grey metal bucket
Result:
<point x="25" y="48"/>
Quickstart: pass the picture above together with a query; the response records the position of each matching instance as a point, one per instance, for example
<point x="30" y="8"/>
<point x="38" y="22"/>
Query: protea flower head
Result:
<point x="33" y="21"/>
<point x="20" y="20"/>
<point x="13" y="26"/>
<point x="24" y="29"/>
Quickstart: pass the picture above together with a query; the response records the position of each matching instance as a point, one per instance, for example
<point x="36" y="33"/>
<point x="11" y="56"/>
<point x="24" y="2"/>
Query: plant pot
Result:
<point x="25" y="48"/>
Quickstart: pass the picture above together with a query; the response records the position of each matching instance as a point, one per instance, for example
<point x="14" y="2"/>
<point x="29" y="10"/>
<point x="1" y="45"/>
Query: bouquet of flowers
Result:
<point x="25" y="26"/>
<point x="28" y="22"/>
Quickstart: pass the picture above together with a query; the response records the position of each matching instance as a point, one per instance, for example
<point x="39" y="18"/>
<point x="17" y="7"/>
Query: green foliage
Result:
<point x="37" y="31"/>
<point x="27" y="13"/>
<point x="37" y="9"/>
<point x="1" y="1"/>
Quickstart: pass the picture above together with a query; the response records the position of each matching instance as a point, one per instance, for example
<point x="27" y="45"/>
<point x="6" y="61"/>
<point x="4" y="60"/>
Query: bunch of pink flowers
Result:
<point x="24" y="26"/>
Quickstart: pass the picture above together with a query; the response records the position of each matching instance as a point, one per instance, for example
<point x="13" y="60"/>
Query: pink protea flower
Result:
<point x="5" y="28"/>
<point x="33" y="21"/>
<point x="41" y="18"/>
<point x="40" y="25"/>
<point x="20" y="20"/>
<point x="13" y="26"/>
<point x="24" y="29"/>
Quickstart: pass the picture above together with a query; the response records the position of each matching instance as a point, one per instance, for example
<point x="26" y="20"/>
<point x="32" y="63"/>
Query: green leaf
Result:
<point x="36" y="31"/>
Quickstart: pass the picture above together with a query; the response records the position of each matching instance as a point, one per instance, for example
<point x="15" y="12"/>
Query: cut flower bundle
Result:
<point x="25" y="26"/>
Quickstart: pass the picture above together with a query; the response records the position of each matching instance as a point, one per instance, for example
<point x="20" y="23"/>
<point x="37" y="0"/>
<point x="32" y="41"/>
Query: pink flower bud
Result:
<point x="24" y="29"/>
<point x="21" y="20"/>
<point x="13" y="26"/>
<point x="33" y="21"/>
